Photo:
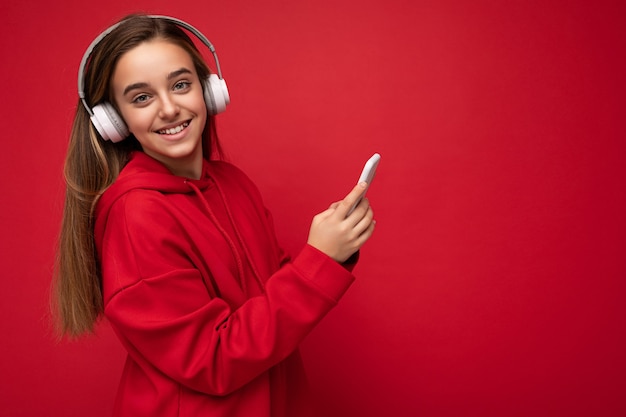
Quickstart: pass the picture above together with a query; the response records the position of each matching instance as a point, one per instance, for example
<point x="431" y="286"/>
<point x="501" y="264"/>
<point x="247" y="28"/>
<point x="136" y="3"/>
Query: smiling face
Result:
<point x="160" y="97"/>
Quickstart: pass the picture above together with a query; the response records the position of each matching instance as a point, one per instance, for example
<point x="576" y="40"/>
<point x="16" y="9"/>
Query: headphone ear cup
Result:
<point x="216" y="94"/>
<point x="108" y="123"/>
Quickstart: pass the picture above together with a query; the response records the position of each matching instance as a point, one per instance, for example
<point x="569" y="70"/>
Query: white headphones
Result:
<point x="104" y="117"/>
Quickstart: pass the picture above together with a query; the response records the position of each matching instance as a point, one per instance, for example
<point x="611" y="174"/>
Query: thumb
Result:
<point x="350" y="200"/>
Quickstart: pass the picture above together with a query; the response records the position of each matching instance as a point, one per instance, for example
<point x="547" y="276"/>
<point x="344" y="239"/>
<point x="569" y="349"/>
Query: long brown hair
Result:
<point x="92" y="165"/>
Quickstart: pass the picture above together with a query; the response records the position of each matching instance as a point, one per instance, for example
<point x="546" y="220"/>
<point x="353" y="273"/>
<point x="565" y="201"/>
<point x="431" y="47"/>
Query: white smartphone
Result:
<point x="367" y="175"/>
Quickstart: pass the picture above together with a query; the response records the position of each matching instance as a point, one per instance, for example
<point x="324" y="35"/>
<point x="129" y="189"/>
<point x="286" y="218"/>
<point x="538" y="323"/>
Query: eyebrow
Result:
<point x="171" y="75"/>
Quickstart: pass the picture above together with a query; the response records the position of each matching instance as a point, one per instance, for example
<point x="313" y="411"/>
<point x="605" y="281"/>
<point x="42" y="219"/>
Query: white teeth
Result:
<point x="174" y="130"/>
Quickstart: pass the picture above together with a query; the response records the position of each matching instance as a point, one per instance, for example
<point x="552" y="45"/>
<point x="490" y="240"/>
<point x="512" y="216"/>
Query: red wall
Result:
<point x="494" y="284"/>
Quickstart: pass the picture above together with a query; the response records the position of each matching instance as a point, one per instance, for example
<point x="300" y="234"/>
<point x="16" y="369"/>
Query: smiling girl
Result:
<point x="174" y="246"/>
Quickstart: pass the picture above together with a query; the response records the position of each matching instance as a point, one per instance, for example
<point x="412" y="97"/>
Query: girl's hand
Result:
<point x="338" y="235"/>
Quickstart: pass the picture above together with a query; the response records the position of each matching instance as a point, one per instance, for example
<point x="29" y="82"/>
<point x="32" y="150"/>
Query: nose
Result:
<point x="169" y="108"/>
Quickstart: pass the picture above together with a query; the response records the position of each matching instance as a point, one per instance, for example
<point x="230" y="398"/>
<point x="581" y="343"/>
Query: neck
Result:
<point x="190" y="167"/>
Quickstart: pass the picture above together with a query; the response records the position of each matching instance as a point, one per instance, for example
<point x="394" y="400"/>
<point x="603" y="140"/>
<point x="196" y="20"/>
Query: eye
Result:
<point x="141" y="98"/>
<point x="181" y="85"/>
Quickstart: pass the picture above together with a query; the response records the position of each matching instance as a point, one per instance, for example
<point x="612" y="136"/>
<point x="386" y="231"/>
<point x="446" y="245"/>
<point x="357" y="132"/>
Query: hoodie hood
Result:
<point x="146" y="173"/>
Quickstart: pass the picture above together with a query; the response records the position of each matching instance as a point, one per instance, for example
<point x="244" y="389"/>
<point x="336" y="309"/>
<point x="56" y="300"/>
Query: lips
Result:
<point x="173" y="130"/>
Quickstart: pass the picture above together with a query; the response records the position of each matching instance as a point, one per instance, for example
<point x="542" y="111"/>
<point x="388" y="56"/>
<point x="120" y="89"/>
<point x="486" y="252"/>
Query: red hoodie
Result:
<point x="209" y="308"/>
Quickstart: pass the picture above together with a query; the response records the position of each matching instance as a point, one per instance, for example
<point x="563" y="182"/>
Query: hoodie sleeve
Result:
<point x="170" y="319"/>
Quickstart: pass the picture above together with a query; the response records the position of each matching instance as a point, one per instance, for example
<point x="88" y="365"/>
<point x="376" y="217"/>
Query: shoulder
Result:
<point x="142" y="202"/>
<point x="140" y="205"/>
<point x="139" y="212"/>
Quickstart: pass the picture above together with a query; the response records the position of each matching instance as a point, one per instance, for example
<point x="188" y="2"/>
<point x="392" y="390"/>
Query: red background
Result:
<point x="494" y="284"/>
